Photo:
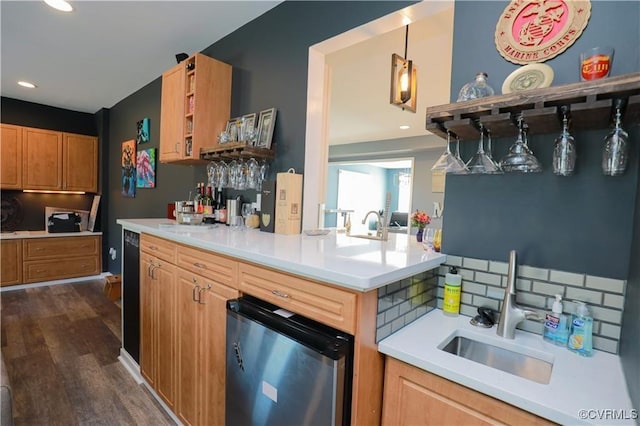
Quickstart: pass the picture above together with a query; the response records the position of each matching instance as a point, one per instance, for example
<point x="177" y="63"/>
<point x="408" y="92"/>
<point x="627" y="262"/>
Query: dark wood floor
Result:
<point x="60" y="344"/>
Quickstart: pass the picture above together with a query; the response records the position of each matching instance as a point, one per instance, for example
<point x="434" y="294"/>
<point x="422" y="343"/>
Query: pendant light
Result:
<point x="403" y="79"/>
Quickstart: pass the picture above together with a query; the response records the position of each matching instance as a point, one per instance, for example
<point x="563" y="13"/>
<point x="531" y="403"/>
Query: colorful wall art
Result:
<point x="142" y="133"/>
<point x="146" y="168"/>
<point x="128" y="168"/>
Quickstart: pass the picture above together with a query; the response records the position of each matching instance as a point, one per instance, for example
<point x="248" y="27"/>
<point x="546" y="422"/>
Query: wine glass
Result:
<point x="615" y="153"/>
<point x="223" y="174"/>
<point x="437" y="239"/>
<point x="245" y="211"/>
<point x="233" y="174"/>
<point x="520" y="158"/>
<point x="264" y="171"/>
<point x="254" y="173"/>
<point x="564" y="151"/>
<point x="448" y="162"/>
<point x="427" y="238"/>
<point x="211" y="173"/>
<point x="481" y="163"/>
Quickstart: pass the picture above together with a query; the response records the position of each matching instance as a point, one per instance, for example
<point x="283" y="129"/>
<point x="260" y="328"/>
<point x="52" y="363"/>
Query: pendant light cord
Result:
<point x="406" y="41"/>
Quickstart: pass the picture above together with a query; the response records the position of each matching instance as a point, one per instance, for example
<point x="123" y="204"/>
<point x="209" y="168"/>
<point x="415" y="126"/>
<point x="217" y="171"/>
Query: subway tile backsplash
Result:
<point x="484" y="283"/>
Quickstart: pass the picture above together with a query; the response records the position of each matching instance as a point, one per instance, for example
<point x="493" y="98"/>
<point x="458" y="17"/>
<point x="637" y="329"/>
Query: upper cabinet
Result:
<point x="41" y="159"/>
<point x="79" y="163"/>
<point x="11" y="157"/>
<point x="196" y="105"/>
<point x="48" y="160"/>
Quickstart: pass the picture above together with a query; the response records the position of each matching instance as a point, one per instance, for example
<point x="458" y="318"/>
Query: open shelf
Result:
<point x="236" y="150"/>
<point x="590" y="104"/>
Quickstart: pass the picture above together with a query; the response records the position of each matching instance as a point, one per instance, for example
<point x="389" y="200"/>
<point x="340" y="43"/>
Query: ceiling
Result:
<point x="103" y="51"/>
<point x="360" y="81"/>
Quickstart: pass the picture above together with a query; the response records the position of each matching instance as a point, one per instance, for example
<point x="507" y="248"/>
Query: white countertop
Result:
<point x="354" y="263"/>
<point x="577" y="383"/>
<point x="44" y="234"/>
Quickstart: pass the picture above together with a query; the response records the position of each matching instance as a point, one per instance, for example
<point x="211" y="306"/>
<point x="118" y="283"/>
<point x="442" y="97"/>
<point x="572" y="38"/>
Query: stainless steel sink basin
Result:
<point x="519" y="364"/>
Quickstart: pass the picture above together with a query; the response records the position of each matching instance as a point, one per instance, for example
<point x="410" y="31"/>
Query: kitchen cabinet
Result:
<point x="54" y="258"/>
<point x="413" y="396"/>
<point x="158" y="293"/>
<point x="195" y="107"/>
<point x="41" y="159"/>
<point x="48" y="160"/>
<point x="11" y="260"/>
<point x="11" y="157"/>
<point x="79" y="163"/>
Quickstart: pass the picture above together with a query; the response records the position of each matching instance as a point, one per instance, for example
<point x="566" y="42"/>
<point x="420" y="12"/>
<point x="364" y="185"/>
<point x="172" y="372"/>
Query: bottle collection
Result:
<point x="224" y="210"/>
<point x="574" y="333"/>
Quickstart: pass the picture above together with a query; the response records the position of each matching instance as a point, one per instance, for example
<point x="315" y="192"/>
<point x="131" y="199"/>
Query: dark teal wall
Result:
<point x="581" y="223"/>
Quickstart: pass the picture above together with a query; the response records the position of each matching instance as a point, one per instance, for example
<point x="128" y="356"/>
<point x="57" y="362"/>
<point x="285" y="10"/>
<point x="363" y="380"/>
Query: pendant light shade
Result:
<point x="403" y="80"/>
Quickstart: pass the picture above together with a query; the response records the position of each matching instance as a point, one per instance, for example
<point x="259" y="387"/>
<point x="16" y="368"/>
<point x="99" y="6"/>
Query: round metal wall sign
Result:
<point x="531" y="31"/>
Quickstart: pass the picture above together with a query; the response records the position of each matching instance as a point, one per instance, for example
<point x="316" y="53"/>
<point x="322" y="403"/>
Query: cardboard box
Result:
<point x="288" y="203"/>
<point x="268" y="206"/>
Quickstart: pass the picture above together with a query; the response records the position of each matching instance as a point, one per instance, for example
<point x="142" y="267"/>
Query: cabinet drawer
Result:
<point x="53" y="269"/>
<point x="209" y="265"/>
<point x="59" y="247"/>
<point x="159" y="247"/>
<point x="328" y="305"/>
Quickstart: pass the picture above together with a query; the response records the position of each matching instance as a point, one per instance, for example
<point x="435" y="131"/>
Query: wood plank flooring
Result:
<point x="60" y="344"/>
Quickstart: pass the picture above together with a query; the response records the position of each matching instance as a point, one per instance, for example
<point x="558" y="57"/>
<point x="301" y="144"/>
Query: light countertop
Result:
<point x="44" y="234"/>
<point x="354" y="263"/>
<point x="578" y="387"/>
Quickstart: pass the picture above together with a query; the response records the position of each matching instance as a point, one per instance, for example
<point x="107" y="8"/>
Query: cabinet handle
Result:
<point x="200" y="265"/>
<point x="279" y="294"/>
<point x="39" y="248"/>
<point x="200" y="295"/>
<point x="193" y="292"/>
<point x="175" y="147"/>
<point x="153" y="248"/>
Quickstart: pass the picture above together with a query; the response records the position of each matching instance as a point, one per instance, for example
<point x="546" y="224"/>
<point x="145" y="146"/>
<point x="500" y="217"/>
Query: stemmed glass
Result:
<point x="246" y="210"/>
<point x="211" y="173"/>
<point x="449" y="161"/>
<point x="564" y="150"/>
<point x="481" y="162"/>
<point x="223" y="174"/>
<point x="264" y="171"/>
<point x="520" y="158"/>
<point x="254" y="173"/>
<point x="616" y="148"/>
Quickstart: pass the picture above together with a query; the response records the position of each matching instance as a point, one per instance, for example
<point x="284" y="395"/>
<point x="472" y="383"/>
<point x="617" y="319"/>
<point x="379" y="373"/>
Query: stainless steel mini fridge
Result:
<point x="284" y="369"/>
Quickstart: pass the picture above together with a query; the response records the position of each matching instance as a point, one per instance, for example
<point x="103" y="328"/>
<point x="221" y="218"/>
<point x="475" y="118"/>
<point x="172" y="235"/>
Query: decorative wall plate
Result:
<point x="533" y="31"/>
<point x="532" y="76"/>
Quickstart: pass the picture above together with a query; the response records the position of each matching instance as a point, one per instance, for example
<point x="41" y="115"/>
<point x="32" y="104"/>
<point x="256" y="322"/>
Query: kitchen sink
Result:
<point x="512" y="362"/>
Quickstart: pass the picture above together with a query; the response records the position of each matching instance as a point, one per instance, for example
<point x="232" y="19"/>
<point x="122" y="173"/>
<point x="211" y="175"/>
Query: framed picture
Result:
<point x="142" y="133"/>
<point x="146" y="168"/>
<point x="94" y="213"/>
<point x="248" y="129"/>
<point x="266" y="124"/>
<point x="128" y="165"/>
<point x="232" y="129"/>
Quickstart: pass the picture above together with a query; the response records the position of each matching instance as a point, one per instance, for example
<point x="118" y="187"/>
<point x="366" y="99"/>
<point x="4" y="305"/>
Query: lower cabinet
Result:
<point x="416" y="397"/>
<point x="11" y="270"/>
<point x="158" y="291"/>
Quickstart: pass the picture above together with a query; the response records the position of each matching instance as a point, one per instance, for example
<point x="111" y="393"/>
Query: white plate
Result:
<point x="532" y="76"/>
<point x="314" y="232"/>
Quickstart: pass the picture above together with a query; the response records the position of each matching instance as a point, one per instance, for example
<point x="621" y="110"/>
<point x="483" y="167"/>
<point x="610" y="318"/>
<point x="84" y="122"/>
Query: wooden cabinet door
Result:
<point x="214" y="356"/>
<point x="11" y="157"/>
<point x="80" y="163"/>
<point x="416" y="397"/>
<point x="10" y="262"/>
<point x="41" y="159"/>
<point x="165" y="277"/>
<point x="172" y="109"/>
<point x="188" y="343"/>
<point x="148" y="320"/>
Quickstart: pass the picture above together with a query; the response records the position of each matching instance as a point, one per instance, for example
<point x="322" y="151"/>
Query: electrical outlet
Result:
<point x="113" y="253"/>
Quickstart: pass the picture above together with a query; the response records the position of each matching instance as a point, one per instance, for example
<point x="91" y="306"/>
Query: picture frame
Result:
<point x="248" y="121"/>
<point x="142" y="131"/>
<point x="232" y="129"/>
<point x="146" y="168"/>
<point x="266" y="125"/>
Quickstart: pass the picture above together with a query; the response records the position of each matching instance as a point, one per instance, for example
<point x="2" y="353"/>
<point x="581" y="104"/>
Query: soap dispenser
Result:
<point x="580" y="340"/>
<point x="556" y="325"/>
<point x="452" y="290"/>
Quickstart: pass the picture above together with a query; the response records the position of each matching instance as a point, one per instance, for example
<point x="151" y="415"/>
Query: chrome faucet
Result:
<point x="511" y="314"/>
<point x="379" y="224"/>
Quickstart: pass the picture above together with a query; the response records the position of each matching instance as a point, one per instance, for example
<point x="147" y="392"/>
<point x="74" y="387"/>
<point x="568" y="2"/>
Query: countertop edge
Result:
<point x="23" y="235"/>
<point x="346" y="281"/>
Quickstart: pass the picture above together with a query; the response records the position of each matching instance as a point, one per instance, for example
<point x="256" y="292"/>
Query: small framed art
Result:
<point x="266" y="124"/>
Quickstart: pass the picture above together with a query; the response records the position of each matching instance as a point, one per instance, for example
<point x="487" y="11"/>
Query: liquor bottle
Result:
<point x="198" y="201"/>
<point x="220" y="204"/>
<point x="208" y="202"/>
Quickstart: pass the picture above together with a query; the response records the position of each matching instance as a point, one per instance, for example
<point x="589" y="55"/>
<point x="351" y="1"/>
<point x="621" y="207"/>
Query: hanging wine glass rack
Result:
<point x="237" y="150"/>
<point x="591" y="105"/>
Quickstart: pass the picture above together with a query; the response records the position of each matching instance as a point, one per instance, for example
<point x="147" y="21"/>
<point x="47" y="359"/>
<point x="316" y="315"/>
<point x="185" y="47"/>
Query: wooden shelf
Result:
<point x="590" y="104"/>
<point x="236" y="150"/>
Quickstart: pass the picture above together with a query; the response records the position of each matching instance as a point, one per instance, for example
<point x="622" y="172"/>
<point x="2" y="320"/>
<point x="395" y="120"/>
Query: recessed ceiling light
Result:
<point x="27" y="84"/>
<point x="404" y="127"/>
<point x="62" y="5"/>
